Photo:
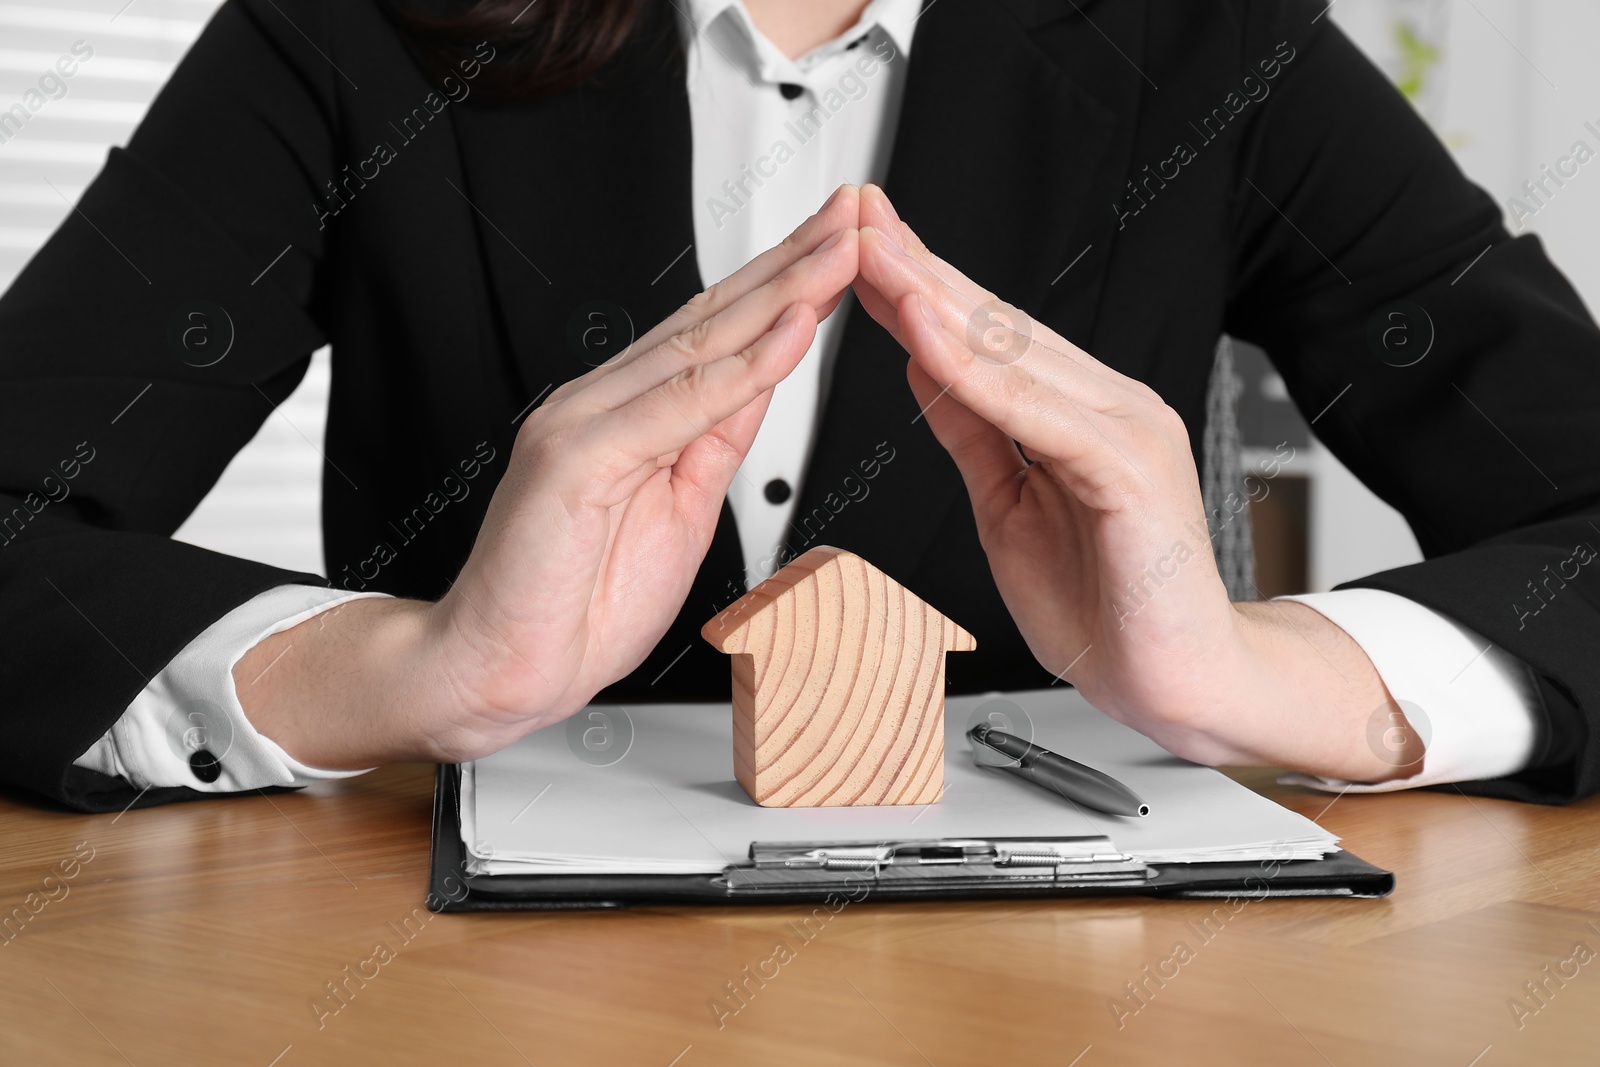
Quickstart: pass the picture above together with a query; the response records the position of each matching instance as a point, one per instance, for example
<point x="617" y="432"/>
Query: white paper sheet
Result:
<point x="670" y="804"/>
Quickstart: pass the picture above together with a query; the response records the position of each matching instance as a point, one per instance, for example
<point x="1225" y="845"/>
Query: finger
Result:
<point x="974" y="302"/>
<point x="882" y="309"/>
<point x="816" y="280"/>
<point x="876" y="211"/>
<point x="1014" y="348"/>
<point x="740" y="429"/>
<point x="1027" y="409"/>
<point x="694" y="404"/>
<point x="839" y="211"/>
<point x="891" y="269"/>
<point x="735" y="433"/>
<point x="988" y="460"/>
<point x="836" y="214"/>
<point x="708" y="465"/>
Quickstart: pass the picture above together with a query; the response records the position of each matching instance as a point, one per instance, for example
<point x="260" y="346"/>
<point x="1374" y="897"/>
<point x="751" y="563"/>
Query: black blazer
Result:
<point x="1227" y="165"/>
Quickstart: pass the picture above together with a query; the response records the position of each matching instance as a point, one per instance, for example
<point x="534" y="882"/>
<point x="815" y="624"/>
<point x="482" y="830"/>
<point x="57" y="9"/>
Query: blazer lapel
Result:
<point x="1007" y="167"/>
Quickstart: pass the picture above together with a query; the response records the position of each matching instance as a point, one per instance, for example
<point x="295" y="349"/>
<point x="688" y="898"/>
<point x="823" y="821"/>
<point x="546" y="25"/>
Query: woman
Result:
<point x="498" y="192"/>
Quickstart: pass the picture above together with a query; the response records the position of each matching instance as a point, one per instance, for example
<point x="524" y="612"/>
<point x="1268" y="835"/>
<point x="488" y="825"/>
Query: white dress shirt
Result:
<point x="765" y="155"/>
<point x="763" y="162"/>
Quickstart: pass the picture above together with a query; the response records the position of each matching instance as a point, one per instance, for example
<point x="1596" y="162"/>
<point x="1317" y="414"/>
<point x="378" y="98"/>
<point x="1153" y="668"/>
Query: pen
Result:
<point x="1059" y="774"/>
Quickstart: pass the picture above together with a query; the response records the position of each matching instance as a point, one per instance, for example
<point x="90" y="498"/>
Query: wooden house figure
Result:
<point x="838" y="685"/>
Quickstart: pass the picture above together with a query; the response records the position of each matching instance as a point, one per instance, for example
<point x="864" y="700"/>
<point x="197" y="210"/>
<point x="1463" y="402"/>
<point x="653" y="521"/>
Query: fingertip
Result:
<point x="845" y="189"/>
<point x="875" y="203"/>
<point x="787" y="343"/>
<point x="886" y="242"/>
<point x="846" y="236"/>
<point x="842" y="207"/>
<point x="798" y="317"/>
<point x="871" y="242"/>
<point x="841" y="260"/>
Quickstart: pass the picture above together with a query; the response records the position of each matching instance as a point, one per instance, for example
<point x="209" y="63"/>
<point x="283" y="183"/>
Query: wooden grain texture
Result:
<point x="203" y="933"/>
<point x="838" y="685"/>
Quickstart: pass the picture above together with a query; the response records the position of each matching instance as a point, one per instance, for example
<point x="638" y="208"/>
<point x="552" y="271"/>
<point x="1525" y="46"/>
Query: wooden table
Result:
<point x="209" y="933"/>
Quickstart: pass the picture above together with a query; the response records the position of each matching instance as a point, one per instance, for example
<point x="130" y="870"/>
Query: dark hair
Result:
<point x="541" y="48"/>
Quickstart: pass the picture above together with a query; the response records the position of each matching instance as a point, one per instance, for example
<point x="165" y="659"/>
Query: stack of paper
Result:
<point x="650" y="789"/>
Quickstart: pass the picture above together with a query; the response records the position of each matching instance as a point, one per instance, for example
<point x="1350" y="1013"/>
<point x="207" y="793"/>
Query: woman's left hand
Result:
<point x="1088" y="505"/>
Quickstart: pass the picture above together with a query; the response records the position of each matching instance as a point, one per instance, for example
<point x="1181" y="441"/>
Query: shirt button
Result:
<point x="776" y="491"/>
<point x="205" y="766"/>
<point x="790" y="90"/>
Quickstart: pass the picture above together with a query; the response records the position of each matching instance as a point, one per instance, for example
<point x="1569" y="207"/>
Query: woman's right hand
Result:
<point x="590" y="543"/>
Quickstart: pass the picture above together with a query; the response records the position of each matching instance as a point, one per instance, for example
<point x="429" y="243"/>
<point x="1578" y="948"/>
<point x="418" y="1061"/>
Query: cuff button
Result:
<point x="205" y="766"/>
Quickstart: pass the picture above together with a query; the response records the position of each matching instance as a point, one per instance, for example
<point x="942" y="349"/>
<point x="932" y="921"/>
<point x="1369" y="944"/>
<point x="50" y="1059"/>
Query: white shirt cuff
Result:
<point x="191" y="707"/>
<point x="1472" y="703"/>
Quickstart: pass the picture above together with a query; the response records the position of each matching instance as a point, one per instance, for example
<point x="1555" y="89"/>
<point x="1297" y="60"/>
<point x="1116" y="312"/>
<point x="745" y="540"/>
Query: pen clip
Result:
<point x="985" y="755"/>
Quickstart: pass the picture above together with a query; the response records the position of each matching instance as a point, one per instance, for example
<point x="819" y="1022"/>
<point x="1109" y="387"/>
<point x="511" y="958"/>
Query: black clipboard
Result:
<point x="949" y="873"/>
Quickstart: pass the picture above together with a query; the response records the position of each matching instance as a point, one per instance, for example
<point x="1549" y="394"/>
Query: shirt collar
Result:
<point x="897" y="18"/>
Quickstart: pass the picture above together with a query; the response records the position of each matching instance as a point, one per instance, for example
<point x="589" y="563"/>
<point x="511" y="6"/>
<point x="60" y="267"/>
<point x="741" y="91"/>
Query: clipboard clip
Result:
<point x="937" y="863"/>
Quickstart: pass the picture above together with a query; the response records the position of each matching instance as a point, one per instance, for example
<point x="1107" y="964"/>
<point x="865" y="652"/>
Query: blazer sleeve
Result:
<point x="140" y="349"/>
<point x="1449" y="365"/>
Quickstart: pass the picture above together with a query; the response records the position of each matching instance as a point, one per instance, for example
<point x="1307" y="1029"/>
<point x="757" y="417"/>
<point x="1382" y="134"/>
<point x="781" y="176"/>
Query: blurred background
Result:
<point x="1507" y="84"/>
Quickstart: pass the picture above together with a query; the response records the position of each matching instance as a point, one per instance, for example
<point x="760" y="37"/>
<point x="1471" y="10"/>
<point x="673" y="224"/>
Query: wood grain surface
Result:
<point x="209" y="932"/>
<point x="838" y="685"/>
